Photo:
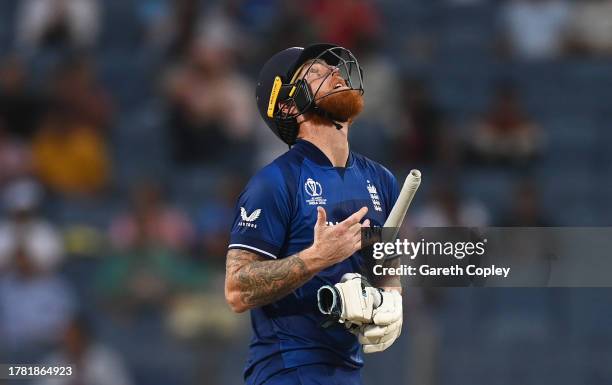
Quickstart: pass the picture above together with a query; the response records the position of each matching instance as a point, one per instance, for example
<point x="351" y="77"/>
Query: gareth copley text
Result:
<point x="426" y="270"/>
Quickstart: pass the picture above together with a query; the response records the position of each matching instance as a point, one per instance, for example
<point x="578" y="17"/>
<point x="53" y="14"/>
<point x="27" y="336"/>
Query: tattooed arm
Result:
<point x="252" y="281"/>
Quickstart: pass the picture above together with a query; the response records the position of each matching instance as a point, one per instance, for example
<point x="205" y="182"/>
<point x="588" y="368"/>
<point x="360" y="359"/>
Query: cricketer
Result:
<point x="298" y="226"/>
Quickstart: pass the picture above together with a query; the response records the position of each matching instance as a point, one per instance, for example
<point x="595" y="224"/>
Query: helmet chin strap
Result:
<point x="326" y="115"/>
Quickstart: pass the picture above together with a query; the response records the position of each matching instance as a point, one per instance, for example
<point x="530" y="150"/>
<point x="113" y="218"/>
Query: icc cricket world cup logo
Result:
<point x="313" y="188"/>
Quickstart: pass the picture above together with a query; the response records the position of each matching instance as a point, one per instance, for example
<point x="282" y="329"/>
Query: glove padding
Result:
<point x="387" y="324"/>
<point x="356" y="299"/>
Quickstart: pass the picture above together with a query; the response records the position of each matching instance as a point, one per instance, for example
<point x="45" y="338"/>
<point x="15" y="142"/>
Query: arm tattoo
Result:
<point x="261" y="281"/>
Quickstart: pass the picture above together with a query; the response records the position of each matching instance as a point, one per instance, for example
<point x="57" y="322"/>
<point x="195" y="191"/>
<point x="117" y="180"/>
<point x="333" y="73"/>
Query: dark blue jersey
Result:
<point x="275" y="217"/>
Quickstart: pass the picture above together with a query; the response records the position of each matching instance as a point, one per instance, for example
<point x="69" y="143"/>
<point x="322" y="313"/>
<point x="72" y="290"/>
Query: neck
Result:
<point x="331" y="141"/>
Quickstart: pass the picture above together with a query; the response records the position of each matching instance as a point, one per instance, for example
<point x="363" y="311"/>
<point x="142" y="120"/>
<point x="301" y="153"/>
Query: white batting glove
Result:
<point x="387" y="324"/>
<point x="351" y="300"/>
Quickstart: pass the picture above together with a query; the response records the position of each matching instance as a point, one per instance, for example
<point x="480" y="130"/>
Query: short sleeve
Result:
<point x="262" y="214"/>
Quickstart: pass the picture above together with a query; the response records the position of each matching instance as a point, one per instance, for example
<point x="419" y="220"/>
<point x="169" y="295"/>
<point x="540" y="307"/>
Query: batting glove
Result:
<point x="387" y="324"/>
<point x="351" y="301"/>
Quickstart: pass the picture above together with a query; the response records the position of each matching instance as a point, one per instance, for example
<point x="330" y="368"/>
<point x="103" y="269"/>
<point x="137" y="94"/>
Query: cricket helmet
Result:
<point x="279" y="82"/>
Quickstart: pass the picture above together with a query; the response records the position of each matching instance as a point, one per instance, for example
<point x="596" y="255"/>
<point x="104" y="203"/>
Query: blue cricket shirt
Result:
<point x="275" y="217"/>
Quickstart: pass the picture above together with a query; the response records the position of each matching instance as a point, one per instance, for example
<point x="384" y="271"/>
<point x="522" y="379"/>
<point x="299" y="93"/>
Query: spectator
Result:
<point x="75" y="87"/>
<point x="591" y="27"/>
<point x="70" y="155"/>
<point x="152" y="219"/>
<point x="25" y="228"/>
<point x="149" y="267"/>
<point x="175" y="26"/>
<point x="535" y="29"/>
<point x="286" y="29"/>
<point x="143" y="280"/>
<point x="380" y="113"/>
<point x="92" y="362"/>
<point x="57" y="23"/>
<point x="382" y="86"/>
<point x="257" y="17"/>
<point x="532" y="247"/>
<point x="15" y="157"/>
<point x="505" y="134"/>
<point x="526" y="209"/>
<point x="447" y="209"/>
<point x="344" y="22"/>
<point x="421" y="123"/>
<point x="170" y="25"/>
<point x="35" y="303"/>
<point x="20" y="107"/>
<point x="221" y="27"/>
<point x="211" y="104"/>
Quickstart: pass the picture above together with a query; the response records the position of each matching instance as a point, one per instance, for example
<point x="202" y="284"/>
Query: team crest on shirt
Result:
<point x="314" y="189"/>
<point x="248" y="219"/>
<point x="374" y="196"/>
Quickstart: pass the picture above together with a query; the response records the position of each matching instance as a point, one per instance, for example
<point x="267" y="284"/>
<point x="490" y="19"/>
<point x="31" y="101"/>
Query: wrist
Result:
<point x="312" y="259"/>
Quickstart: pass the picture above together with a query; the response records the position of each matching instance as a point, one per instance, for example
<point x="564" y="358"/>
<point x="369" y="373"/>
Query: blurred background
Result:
<point x="128" y="128"/>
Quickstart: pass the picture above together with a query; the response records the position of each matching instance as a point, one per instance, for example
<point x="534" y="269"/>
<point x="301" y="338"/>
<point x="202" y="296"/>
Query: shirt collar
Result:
<point x="313" y="153"/>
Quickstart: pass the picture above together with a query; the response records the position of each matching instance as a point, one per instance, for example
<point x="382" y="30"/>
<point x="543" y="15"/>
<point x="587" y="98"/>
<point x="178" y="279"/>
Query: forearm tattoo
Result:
<point x="261" y="282"/>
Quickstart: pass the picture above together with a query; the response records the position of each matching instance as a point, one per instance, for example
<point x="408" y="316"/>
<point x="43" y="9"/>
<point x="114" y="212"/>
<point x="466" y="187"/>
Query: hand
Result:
<point x="334" y="244"/>
<point x="387" y="325"/>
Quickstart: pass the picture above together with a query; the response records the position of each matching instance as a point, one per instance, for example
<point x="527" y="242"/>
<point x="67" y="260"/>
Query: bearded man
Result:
<point x="298" y="228"/>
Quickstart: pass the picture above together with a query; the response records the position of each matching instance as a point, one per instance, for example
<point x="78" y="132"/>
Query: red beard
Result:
<point x="343" y="105"/>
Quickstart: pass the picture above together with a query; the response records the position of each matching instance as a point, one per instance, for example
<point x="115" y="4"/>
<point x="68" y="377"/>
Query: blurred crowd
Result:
<point x="128" y="129"/>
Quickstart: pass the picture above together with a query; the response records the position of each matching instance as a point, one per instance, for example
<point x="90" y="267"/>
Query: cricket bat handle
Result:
<point x="410" y="187"/>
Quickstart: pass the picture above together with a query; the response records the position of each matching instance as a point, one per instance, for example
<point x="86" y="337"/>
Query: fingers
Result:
<point x="374" y="336"/>
<point x="356" y="217"/>
<point x="375" y="331"/>
<point x="321" y="217"/>
<point x="355" y="229"/>
<point x="377" y="348"/>
<point x="357" y="245"/>
<point x="358" y="238"/>
<point x="350" y="227"/>
<point x="390" y="311"/>
<point x="387" y="318"/>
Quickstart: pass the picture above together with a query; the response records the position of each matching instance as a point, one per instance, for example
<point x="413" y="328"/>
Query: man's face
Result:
<point x="331" y="91"/>
<point x="323" y="78"/>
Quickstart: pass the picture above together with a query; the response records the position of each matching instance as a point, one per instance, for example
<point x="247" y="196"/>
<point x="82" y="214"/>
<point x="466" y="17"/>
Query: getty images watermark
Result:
<point x="491" y="256"/>
<point x="457" y="250"/>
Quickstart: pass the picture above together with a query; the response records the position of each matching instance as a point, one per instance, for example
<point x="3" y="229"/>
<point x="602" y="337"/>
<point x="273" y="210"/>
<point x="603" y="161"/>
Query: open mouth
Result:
<point x="339" y="85"/>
